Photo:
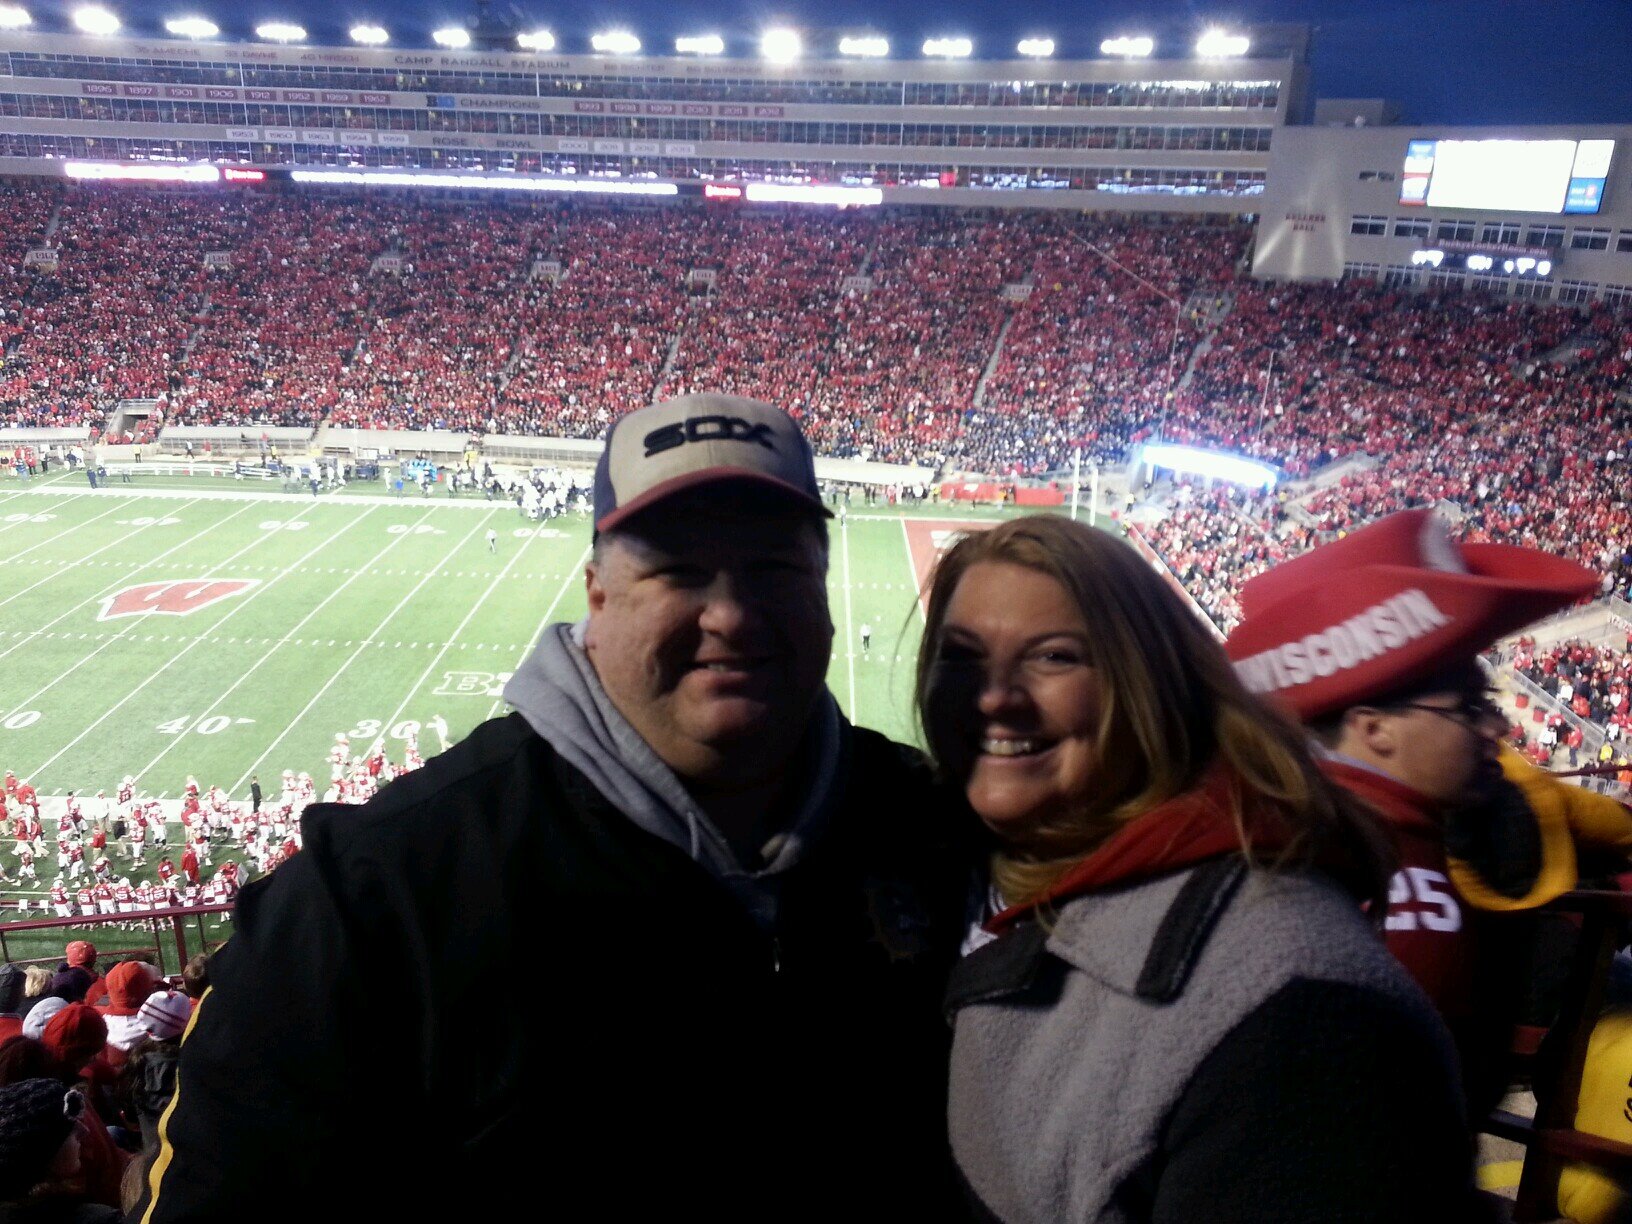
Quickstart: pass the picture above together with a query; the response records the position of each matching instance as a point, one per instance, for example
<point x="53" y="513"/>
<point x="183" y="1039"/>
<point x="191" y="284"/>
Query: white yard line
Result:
<point x="276" y="646"/>
<point x="454" y="636"/>
<point x="66" y="531"/>
<point x="114" y="586"/>
<point x="367" y="641"/>
<point x="912" y="571"/>
<point x="129" y="535"/>
<point x="238" y="604"/>
<point x="849" y="626"/>
<point x="574" y="576"/>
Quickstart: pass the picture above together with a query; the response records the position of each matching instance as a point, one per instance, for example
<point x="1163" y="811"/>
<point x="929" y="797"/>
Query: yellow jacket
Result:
<point x="1566" y="815"/>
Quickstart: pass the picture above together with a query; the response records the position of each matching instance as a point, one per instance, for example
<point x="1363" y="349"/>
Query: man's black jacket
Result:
<point x="487" y="988"/>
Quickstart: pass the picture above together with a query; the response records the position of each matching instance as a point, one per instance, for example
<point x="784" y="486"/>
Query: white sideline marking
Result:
<point x="912" y="571"/>
<point x="849" y="628"/>
<point x="237" y="606"/>
<point x="276" y="646"/>
<point x="115" y="585"/>
<point x="362" y="646"/>
<point x="454" y="636"/>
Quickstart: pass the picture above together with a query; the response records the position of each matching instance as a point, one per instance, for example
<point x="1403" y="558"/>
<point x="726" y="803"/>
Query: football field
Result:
<point x="179" y="627"/>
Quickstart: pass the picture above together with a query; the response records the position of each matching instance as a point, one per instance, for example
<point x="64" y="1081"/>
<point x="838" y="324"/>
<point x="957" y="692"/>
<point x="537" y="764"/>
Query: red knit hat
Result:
<point x="76" y="1034"/>
<point x="81" y="953"/>
<point x="1387" y="607"/>
<point x="129" y="985"/>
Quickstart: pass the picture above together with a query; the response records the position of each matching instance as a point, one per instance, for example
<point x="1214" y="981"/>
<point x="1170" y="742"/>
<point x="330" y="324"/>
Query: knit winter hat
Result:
<point x="81" y="952"/>
<point x="40" y="1015"/>
<point x="12" y="981"/>
<point x="71" y="984"/>
<point x="165" y="1015"/>
<point x="36" y="1116"/>
<point x="75" y="1035"/>
<point x="128" y="985"/>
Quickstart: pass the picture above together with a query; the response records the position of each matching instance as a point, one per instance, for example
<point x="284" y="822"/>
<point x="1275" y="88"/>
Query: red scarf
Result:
<point x="1399" y="806"/>
<point x="1188" y="829"/>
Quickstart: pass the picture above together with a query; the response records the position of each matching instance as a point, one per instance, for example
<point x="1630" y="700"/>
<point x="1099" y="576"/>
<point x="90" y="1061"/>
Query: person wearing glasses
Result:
<point x="1373" y="641"/>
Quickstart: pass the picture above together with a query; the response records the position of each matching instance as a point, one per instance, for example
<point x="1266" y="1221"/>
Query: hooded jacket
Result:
<point x="533" y="957"/>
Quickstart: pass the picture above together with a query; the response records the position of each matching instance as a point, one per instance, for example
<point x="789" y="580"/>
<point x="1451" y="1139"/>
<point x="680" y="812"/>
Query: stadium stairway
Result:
<point x="668" y="360"/>
<point x="991" y="362"/>
<point x="51" y="225"/>
<point x="1210" y="314"/>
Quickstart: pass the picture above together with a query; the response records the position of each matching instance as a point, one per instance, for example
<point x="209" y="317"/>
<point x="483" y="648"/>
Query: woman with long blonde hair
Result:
<point x="1171" y="1007"/>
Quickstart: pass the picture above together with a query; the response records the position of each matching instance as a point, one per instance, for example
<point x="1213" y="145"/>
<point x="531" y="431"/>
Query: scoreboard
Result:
<point x="1540" y="176"/>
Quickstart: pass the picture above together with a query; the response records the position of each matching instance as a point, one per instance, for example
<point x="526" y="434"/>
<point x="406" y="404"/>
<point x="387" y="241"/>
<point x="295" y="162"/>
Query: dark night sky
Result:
<point x="1444" y="61"/>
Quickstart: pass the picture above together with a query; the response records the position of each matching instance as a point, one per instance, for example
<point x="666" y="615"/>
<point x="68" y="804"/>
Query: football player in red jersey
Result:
<point x="59" y="899"/>
<point x="86" y="899"/>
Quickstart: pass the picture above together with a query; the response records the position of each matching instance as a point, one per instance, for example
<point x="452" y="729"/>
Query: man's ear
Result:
<point x="1375" y="730"/>
<point x="594" y="588"/>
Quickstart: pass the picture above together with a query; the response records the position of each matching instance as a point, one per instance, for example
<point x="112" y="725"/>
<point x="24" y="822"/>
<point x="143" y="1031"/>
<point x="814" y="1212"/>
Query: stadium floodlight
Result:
<point x="1138" y="47"/>
<point x="14" y="17"/>
<point x="94" y="19"/>
<point x="147" y="172"/>
<point x="1433" y="259"/>
<point x="700" y="44"/>
<point x="1544" y="268"/>
<point x="370" y="35"/>
<point x="451" y="36"/>
<point x="865" y="48"/>
<point x="536" y="40"/>
<point x="192" y="27"/>
<point x="615" y="42"/>
<point x="281" y="31"/>
<point x="1220" y="465"/>
<point x="781" y="45"/>
<point x="484" y="182"/>
<point x="949" y="48"/>
<point x="1221" y="44"/>
<point x="1036" y="48"/>
<point x="1476" y="263"/>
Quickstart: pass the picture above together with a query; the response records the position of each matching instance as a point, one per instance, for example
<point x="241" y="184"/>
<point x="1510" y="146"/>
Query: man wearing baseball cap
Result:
<point x="671" y="937"/>
<point x="1373" y="642"/>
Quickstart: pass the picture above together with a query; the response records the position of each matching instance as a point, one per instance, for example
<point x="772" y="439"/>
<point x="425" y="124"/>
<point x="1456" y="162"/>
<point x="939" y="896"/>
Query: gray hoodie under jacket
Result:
<point x="557" y="691"/>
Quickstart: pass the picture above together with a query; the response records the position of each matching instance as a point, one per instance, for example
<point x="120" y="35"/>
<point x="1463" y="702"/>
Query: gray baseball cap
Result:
<point x="667" y="448"/>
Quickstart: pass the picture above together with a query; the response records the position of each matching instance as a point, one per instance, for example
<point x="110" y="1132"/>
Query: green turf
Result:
<point x="363" y="617"/>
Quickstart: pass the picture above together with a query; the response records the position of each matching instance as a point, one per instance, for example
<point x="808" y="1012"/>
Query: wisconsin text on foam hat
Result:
<point x="1380" y="628"/>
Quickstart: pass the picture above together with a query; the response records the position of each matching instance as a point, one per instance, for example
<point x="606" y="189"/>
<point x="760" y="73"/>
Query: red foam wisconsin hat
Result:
<point x="1393" y="604"/>
<point x="658" y="451"/>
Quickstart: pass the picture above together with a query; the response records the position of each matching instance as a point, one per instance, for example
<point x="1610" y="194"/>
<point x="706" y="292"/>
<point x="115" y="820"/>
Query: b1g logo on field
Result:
<point x="473" y="684"/>
<point x="175" y="598"/>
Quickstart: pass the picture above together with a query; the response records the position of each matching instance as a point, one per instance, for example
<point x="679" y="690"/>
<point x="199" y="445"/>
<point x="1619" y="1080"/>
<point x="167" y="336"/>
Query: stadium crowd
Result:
<point x="379" y="311"/>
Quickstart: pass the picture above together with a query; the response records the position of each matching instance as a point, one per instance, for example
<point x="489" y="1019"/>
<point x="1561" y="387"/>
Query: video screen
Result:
<point x="1540" y="176"/>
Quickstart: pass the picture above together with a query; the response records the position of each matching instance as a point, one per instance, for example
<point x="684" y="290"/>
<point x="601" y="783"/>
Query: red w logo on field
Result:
<point x="172" y="598"/>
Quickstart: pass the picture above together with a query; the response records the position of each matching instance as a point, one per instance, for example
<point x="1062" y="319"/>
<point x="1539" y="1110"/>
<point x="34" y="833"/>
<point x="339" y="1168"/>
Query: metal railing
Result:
<point x="173" y="921"/>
